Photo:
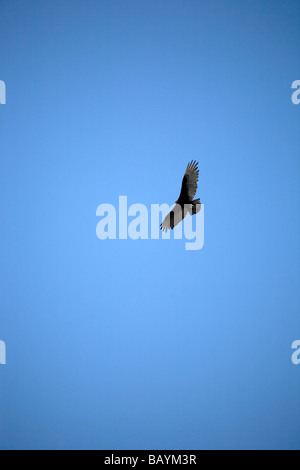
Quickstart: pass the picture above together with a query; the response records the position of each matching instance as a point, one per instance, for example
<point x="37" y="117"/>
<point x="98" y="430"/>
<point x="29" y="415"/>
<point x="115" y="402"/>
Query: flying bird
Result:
<point x="186" y="202"/>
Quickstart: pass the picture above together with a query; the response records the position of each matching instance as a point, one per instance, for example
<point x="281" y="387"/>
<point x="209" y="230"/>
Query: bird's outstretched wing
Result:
<point x="175" y="216"/>
<point x="189" y="182"/>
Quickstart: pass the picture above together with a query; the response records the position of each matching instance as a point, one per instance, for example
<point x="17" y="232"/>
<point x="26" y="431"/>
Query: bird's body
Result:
<point x="186" y="202"/>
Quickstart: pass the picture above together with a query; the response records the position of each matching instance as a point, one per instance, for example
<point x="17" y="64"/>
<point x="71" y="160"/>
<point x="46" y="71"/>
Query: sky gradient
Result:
<point x="140" y="344"/>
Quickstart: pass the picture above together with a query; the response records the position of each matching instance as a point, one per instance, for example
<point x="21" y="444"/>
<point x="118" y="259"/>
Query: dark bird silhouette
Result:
<point x="186" y="202"/>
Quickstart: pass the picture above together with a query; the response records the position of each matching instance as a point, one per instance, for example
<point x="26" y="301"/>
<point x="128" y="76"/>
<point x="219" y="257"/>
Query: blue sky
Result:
<point x="123" y="344"/>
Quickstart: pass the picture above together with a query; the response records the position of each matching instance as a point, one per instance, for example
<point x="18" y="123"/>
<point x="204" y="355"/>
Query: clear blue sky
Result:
<point x="140" y="344"/>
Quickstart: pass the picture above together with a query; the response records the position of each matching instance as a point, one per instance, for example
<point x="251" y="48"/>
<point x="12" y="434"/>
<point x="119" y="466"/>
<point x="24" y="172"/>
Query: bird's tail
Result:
<point x="196" y="206"/>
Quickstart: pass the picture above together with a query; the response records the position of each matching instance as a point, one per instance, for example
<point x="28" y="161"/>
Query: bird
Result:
<point x="186" y="202"/>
